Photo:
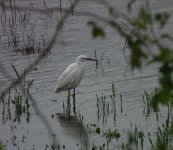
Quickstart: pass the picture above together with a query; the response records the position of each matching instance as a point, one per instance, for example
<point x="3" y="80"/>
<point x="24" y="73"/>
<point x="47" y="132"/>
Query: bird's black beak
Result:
<point x="90" y="59"/>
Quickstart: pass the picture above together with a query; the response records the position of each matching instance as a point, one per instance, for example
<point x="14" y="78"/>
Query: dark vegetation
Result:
<point x="144" y="45"/>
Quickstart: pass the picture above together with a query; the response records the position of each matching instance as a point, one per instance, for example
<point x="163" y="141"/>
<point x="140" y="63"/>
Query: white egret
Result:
<point x="72" y="76"/>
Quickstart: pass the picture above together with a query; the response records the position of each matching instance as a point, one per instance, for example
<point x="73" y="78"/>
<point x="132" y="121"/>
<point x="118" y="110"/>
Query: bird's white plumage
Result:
<point x="72" y="75"/>
<point x="70" y="78"/>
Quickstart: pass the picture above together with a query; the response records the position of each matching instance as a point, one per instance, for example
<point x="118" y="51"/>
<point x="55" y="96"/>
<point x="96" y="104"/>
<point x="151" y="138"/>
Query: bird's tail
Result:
<point x="57" y="89"/>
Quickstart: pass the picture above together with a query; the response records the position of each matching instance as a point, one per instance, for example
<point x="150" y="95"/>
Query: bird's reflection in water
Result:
<point x="67" y="107"/>
<point x="72" y="127"/>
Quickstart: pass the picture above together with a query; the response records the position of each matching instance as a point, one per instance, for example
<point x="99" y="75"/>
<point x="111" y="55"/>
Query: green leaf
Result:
<point x="165" y="93"/>
<point x="137" y="53"/>
<point x="140" y="134"/>
<point x="143" y="19"/>
<point x="13" y="102"/>
<point x="162" y="18"/>
<point x="1" y="146"/>
<point x="166" y="55"/>
<point x="166" y="77"/>
<point x="97" y="31"/>
<point x="162" y="97"/>
<point x="98" y="130"/>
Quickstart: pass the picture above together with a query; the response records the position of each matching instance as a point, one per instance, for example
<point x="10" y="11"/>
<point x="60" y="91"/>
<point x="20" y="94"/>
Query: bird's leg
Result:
<point x="68" y="104"/>
<point x="68" y="94"/>
<point x="73" y="95"/>
<point x="74" y="103"/>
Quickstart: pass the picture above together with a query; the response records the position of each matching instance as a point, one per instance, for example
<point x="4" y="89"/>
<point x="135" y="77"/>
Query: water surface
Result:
<point x="75" y="39"/>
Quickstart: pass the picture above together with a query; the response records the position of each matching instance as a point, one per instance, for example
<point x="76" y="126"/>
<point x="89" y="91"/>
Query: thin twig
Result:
<point x="152" y="30"/>
<point x="44" y="121"/>
<point x="63" y="10"/>
<point x="43" y="54"/>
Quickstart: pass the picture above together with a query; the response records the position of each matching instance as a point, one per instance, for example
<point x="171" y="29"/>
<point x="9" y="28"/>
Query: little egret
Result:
<point x="72" y="76"/>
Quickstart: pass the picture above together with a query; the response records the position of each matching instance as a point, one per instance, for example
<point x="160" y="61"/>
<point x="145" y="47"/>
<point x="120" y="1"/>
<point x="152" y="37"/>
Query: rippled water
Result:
<point x="74" y="40"/>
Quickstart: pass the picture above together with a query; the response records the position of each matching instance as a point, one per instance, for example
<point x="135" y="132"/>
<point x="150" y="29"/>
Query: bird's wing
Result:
<point x="67" y="78"/>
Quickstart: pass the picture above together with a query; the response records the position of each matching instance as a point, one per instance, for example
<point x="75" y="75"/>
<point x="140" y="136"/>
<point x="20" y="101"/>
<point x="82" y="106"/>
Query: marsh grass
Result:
<point x="106" y="105"/>
<point x="1" y="146"/>
<point x="6" y="109"/>
<point x="162" y="139"/>
<point x="17" y="100"/>
<point x="102" y="108"/>
<point x="136" y="137"/>
<point x="20" y="39"/>
<point x="164" y="134"/>
<point x="109" y="136"/>
<point x="29" y="45"/>
<point x="113" y="96"/>
<point x="148" y="109"/>
<point x="101" y="60"/>
<point x="147" y="101"/>
<point x="21" y="107"/>
<point x="135" y="140"/>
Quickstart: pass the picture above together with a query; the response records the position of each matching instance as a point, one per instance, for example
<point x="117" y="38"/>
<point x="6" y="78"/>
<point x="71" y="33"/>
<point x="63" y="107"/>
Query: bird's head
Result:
<point x="82" y="58"/>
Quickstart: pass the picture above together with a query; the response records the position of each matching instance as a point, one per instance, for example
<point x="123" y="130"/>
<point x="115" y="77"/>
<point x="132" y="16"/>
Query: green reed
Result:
<point x="106" y="105"/>
<point x="1" y="146"/>
<point x="110" y="135"/>
<point x="164" y="134"/>
<point x="18" y="99"/>
<point x="102" y="107"/>
<point x="21" y="107"/>
<point x="135" y="140"/>
<point x="148" y="109"/>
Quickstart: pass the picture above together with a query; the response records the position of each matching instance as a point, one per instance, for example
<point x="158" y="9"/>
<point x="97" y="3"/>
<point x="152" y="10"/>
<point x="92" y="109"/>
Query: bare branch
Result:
<point x="43" y="54"/>
<point x="46" y="123"/>
<point x="60" y="9"/>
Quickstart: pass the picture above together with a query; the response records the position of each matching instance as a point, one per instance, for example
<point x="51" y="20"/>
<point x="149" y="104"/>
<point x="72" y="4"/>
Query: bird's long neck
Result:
<point x="78" y="61"/>
<point x="81" y="64"/>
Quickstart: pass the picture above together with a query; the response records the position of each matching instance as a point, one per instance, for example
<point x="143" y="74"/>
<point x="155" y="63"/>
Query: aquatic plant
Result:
<point x="21" y="107"/>
<point x="141" y="39"/>
<point x="148" y="109"/>
<point x="18" y="99"/>
<point x="102" y="107"/>
<point x="107" y="134"/>
<point x="1" y="146"/>
<point x="135" y="140"/>
<point x="138" y="41"/>
<point x="164" y="135"/>
<point x="106" y="105"/>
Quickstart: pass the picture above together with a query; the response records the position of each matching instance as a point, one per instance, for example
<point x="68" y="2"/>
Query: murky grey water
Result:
<point x="73" y="41"/>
